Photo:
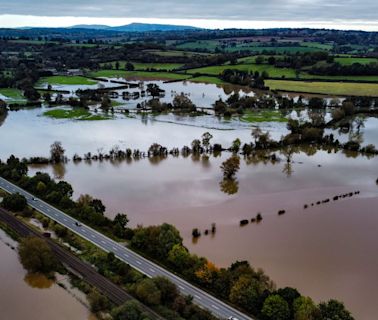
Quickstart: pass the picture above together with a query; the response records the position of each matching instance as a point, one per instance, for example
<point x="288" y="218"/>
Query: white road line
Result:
<point x="138" y="262"/>
<point x="84" y="230"/>
<point x="215" y="307"/>
<point x="152" y="270"/>
<point x="115" y="249"/>
<point x="102" y="241"/>
<point x="198" y="297"/>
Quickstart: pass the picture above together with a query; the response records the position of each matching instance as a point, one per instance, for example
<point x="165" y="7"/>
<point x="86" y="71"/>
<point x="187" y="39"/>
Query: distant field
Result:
<point x="139" y="74"/>
<point x="252" y="59"/>
<point x="175" y="53"/>
<point x="351" y="60"/>
<point x="271" y="70"/>
<point x="66" y="80"/>
<point x="263" y="116"/>
<point x="12" y="94"/>
<point x="257" y="47"/>
<point x="144" y="66"/>
<point x="74" y="114"/>
<point x="331" y="88"/>
<point x="317" y="45"/>
<point x="204" y="79"/>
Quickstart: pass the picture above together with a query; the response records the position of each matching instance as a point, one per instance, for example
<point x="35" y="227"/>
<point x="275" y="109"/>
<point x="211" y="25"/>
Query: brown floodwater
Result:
<point x="326" y="251"/>
<point x="34" y="297"/>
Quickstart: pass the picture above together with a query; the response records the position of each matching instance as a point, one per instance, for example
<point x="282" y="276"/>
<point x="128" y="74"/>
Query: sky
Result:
<point x="334" y="14"/>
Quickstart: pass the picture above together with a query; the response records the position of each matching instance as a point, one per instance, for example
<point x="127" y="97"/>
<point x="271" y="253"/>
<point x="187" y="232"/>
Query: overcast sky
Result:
<point x="345" y="14"/>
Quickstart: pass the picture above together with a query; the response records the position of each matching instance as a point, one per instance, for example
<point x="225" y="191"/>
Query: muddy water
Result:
<point x="325" y="251"/>
<point x="33" y="297"/>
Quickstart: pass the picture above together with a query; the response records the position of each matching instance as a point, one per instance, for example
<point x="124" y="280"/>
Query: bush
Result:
<point x="275" y="308"/>
<point x="14" y="202"/>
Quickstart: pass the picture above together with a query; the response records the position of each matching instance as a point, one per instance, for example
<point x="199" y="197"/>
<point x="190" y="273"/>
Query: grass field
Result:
<point x="144" y="66"/>
<point x="351" y="60"/>
<point x="175" y="53"/>
<point x="263" y="116"/>
<point x="74" y="114"/>
<point x="204" y="79"/>
<point x="66" y="80"/>
<point x="329" y="88"/>
<point x="271" y="70"/>
<point x="12" y="95"/>
<point x="139" y="75"/>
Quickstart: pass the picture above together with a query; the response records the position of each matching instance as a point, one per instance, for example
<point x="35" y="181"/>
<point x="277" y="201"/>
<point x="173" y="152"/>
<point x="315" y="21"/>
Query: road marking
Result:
<point x="198" y="297"/>
<point x="138" y="262"/>
<point x="84" y="230"/>
<point x="215" y="307"/>
<point x="115" y="249"/>
<point x="181" y="287"/>
<point x="126" y="255"/>
<point x="93" y="236"/>
<point x="152" y="270"/>
<point x="65" y="219"/>
<point x="102" y="241"/>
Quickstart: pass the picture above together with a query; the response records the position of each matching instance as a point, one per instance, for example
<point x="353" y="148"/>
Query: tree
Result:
<point x="230" y="167"/>
<point x="14" y="202"/>
<point x="36" y="255"/>
<point x="148" y="292"/>
<point x="129" y="66"/>
<point x="334" y="310"/>
<point x="275" y="308"/>
<point x="57" y="152"/>
<point x="305" y="309"/>
<point x="98" y="302"/>
<point x="41" y="188"/>
<point x="121" y="219"/>
<point x="130" y="310"/>
<point x="106" y="103"/>
<point x="206" y="137"/>
<point x="168" y="290"/>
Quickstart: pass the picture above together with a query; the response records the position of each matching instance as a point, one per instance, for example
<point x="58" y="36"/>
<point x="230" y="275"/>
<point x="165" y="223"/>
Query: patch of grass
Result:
<point x="139" y="75"/>
<point x="271" y="70"/>
<point x="145" y="66"/>
<point x="204" y="79"/>
<point x="175" y="53"/>
<point x="75" y="114"/>
<point x="351" y="60"/>
<point x="330" y="88"/>
<point x="12" y="94"/>
<point x="317" y="45"/>
<point x="66" y="80"/>
<point x="263" y="116"/>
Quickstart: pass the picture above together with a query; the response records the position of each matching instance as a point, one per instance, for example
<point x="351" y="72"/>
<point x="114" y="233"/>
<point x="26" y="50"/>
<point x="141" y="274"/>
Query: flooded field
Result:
<point x="325" y="251"/>
<point x="41" y="298"/>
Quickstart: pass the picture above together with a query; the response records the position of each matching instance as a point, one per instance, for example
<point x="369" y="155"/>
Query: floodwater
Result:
<point x="34" y="297"/>
<point x="326" y="251"/>
<point x="202" y="95"/>
<point x="31" y="134"/>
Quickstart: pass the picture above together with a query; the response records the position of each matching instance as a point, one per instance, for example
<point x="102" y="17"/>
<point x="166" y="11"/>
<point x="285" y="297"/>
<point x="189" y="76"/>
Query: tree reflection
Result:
<point x="229" y="186"/>
<point x="38" y="281"/>
<point x="59" y="171"/>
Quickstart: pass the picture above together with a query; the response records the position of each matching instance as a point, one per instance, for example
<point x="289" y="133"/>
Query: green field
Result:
<point x="317" y="45"/>
<point x="66" y="80"/>
<point x="74" y="114"/>
<point x="204" y="79"/>
<point x="139" y="75"/>
<point x="351" y="60"/>
<point x="175" y="53"/>
<point x="271" y="70"/>
<point x="258" y="47"/>
<point x="145" y="66"/>
<point x="329" y="88"/>
<point x="263" y="116"/>
<point x="12" y="95"/>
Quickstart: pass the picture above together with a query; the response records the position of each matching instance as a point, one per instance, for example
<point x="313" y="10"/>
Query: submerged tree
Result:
<point x="57" y="152"/>
<point x="230" y="167"/>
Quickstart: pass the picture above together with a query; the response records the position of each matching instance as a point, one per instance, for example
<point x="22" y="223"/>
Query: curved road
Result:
<point x="150" y="269"/>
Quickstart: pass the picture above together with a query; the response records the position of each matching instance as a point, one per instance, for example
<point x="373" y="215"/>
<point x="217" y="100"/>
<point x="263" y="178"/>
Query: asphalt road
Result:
<point x="200" y="297"/>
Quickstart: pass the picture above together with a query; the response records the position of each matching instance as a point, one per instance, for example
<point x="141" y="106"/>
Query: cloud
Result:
<point x="314" y="10"/>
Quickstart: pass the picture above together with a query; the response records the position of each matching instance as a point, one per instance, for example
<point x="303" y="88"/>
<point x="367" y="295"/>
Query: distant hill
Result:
<point x="136" y="27"/>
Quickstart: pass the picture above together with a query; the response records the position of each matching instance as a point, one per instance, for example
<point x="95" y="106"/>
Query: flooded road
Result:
<point x="33" y="297"/>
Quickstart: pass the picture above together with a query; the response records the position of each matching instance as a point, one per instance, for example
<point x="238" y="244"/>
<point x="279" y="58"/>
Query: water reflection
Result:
<point x="38" y="281"/>
<point x="229" y="186"/>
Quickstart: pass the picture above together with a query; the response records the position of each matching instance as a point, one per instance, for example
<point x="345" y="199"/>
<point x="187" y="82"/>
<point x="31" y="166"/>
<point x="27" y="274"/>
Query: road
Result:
<point x="78" y="267"/>
<point x="150" y="269"/>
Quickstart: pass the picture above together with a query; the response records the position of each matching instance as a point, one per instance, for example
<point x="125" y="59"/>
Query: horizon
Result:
<point x="28" y="21"/>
